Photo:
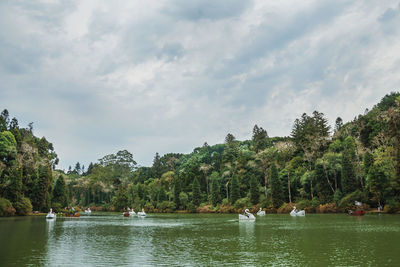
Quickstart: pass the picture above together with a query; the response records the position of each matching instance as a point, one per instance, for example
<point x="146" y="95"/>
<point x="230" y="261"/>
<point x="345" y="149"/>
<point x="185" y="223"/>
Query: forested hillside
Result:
<point x="26" y="164"/>
<point x="318" y="167"/>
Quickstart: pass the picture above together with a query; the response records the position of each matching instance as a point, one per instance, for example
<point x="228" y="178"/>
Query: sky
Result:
<point x="96" y="77"/>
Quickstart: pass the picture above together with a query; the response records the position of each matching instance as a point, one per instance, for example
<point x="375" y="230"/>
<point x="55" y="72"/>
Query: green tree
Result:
<point x="77" y="168"/>
<point x="60" y="192"/>
<point x="378" y="184"/>
<point x="4" y="120"/>
<point x="215" y="191"/>
<point x="183" y="199"/>
<point x="157" y="167"/>
<point x="254" y="192"/>
<point x="260" y="138"/>
<point x="162" y="196"/>
<point x="235" y="191"/>
<point x="349" y="179"/>
<point x="8" y="147"/>
<point x="41" y="189"/>
<point x="276" y="188"/>
<point x="120" y="200"/>
<point x="196" y="192"/>
<point x="368" y="162"/>
<point x="177" y="191"/>
<point x="14" y="190"/>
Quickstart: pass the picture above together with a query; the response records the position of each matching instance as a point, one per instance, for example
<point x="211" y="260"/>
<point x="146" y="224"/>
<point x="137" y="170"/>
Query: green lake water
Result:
<point x="109" y="239"/>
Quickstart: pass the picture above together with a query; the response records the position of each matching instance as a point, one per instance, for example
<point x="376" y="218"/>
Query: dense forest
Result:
<point x="318" y="168"/>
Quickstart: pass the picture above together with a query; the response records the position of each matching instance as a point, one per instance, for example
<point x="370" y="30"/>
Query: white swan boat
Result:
<point x="261" y="212"/>
<point x="141" y="213"/>
<point x="88" y="211"/>
<point x="132" y="213"/>
<point x="247" y="216"/>
<point x="51" y="214"/>
<point x="296" y="212"/>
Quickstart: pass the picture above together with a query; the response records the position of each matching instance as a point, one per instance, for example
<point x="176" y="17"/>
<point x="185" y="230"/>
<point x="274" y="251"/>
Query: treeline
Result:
<point x="317" y="167"/>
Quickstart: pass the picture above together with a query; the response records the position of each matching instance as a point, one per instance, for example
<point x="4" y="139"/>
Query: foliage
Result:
<point x="6" y="208"/>
<point x="242" y="203"/>
<point x="120" y="200"/>
<point x="60" y="192"/>
<point x="183" y="199"/>
<point x="312" y="167"/>
<point x="196" y="192"/>
<point x="235" y="189"/>
<point x="276" y="188"/>
<point x="348" y="200"/>
<point x="23" y="206"/>
<point x="215" y="192"/>
<point x="392" y="206"/>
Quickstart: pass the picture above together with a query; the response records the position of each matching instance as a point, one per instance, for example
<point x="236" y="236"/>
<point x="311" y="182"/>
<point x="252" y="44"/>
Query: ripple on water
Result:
<point x="213" y="239"/>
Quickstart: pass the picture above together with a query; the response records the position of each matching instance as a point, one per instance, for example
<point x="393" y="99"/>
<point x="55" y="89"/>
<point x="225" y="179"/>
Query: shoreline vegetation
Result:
<point x="322" y="169"/>
<point x="321" y="209"/>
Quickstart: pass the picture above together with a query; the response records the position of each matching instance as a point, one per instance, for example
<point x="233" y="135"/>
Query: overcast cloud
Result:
<point x="166" y="76"/>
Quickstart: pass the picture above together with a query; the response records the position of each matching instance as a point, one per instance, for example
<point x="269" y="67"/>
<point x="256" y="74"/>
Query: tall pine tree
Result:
<point x="196" y="192"/>
<point x="276" y="187"/>
<point x="254" y="193"/>
<point x="235" y="190"/>
<point x="215" y="192"/>
<point x="60" y="192"/>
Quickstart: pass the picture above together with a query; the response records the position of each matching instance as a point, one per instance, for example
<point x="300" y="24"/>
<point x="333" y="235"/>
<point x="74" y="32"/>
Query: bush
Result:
<point x="57" y="207"/>
<point x="191" y="207"/>
<point x="226" y="208"/>
<point x="148" y="206"/>
<point x="308" y="205"/>
<point x="392" y="206"/>
<point x="225" y="201"/>
<point x="327" y="208"/>
<point x="166" y="206"/>
<point x="242" y="203"/>
<point x="347" y="201"/>
<point x="23" y="206"/>
<point x="205" y="209"/>
<point x="107" y="207"/>
<point x="337" y="197"/>
<point x="6" y="208"/>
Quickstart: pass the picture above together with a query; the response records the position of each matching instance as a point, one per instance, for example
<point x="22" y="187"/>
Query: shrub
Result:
<point x="337" y="197"/>
<point x="191" y="207"/>
<point x="242" y="203"/>
<point x="57" y="207"/>
<point x="227" y="208"/>
<point x="148" y="206"/>
<point x="166" y="206"/>
<point x="6" y="208"/>
<point x="308" y="205"/>
<point x="23" y="206"/>
<point x="392" y="206"/>
<point x="327" y="208"/>
<point x="347" y="201"/>
<point x="205" y="209"/>
<point x="225" y="201"/>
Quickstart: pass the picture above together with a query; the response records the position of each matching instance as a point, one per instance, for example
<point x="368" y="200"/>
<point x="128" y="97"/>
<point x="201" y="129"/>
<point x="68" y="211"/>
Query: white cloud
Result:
<point x="162" y="76"/>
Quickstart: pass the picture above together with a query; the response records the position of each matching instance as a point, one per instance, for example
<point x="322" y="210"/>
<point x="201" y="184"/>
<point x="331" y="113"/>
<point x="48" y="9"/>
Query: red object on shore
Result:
<point x="357" y="212"/>
<point x="126" y="214"/>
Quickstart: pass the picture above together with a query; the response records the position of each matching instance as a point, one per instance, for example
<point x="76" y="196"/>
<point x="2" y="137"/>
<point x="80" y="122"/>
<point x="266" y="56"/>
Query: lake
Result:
<point x="106" y="239"/>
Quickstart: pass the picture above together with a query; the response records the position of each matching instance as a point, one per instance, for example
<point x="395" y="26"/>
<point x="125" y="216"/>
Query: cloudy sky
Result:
<point x="96" y="77"/>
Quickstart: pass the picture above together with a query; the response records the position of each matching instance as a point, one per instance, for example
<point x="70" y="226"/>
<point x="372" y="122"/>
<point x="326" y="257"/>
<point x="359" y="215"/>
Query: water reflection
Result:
<point x="50" y="224"/>
<point x="197" y="239"/>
